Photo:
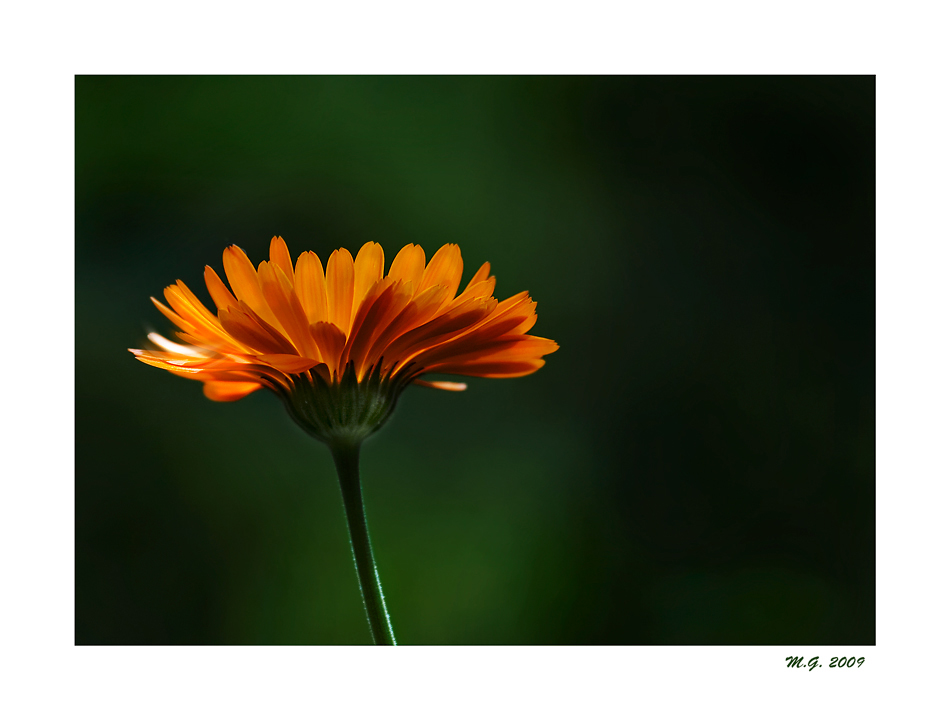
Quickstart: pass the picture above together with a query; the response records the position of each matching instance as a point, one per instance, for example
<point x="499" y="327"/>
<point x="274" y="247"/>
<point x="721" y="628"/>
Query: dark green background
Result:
<point x="694" y="465"/>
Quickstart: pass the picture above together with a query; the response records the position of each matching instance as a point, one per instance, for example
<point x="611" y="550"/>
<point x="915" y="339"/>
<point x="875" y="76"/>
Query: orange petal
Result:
<point x="439" y="330"/>
<point x="280" y="256"/>
<point x="229" y="391"/>
<point x="204" y="325"/>
<point x="311" y="287"/>
<point x="222" y="297"/>
<point x="279" y="294"/>
<point x="494" y="369"/>
<point x="340" y="288"/>
<point x="420" y="310"/>
<point x="191" y="373"/>
<point x="174" y="347"/>
<point x="445" y="268"/>
<point x="379" y="288"/>
<point x="442" y="385"/>
<point x="330" y="339"/>
<point x="527" y="323"/>
<point x="480" y="276"/>
<point x="247" y="327"/>
<point x="244" y="282"/>
<point x="290" y="364"/>
<point x="196" y="303"/>
<point x="483" y="337"/>
<point x="367" y="269"/>
<point x="390" y="299"/>
<point x="476" y="290"/>
<point x="231" y="347"/>
<point x="172" y="315"/>
<point x="514" y="301"/>
<point x="505" y="349"/>
<point x="409" y="265"/>
<point x="517" y="306"/>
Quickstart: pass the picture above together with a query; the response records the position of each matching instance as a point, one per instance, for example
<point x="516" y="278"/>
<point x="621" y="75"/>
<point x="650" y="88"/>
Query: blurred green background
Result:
<point x="695" y="465"/>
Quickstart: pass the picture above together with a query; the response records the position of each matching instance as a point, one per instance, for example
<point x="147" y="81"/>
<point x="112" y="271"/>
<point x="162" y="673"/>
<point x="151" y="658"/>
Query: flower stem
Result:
<point x="347" y="459"/>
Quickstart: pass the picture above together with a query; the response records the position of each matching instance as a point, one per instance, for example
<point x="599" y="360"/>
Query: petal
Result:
<point x="480" y="276"/>
<point x="340" y="288"/>
<point x="229" y="391"/>
<point x="199" y="335"/>
<point x="374" y="293"/>
<point x="290" y="364"/>
<point x="245" y="283"/>
<point x="367" y="270"/>
<point x="171" y="315"/>
<point x="204" y="325"/>
<point x="173" y="347"/>
<point x="527" y="323"/>
<point x="389" y="300"/>
<point x="494" y="369"/>
<point x="280" y="256"/>
<point x="519" y="306"/>
<point x="279" y="294"/>
<point x="330" y="339"/>
<point x="207" y="345"/>
<point x="442" y="385"/>
<point x="514" y="301"/>
<point x="476" y="290"/>
<point x="311" y="287"/>
<point x="190" y="373"/>
<point x="480" y="338"/>
<point x="409" y="265"/>
<point x="445" y="268"/>
<point x="441" y="329"/>
<point x="506" y="349"/>
<point x="420" y="310"/>
<point x="195" y="303"/>
<point x="249" y="328"/>
<point x="222" y="297"/>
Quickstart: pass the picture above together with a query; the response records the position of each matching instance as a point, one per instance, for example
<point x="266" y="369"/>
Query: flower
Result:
<point x="339" y="346"/>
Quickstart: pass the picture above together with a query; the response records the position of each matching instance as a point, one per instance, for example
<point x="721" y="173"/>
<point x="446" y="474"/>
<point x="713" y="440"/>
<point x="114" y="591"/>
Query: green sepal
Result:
<point x="345" y="411"/>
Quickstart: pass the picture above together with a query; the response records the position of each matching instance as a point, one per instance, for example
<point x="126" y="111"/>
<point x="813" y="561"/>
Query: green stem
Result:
<point x="347" y="459"/>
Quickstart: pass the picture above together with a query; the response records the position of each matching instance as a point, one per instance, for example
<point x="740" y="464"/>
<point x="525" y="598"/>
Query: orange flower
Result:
<point x="338" y="346"/>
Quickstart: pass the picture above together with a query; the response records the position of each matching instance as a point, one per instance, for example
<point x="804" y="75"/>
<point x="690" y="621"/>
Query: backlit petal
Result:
<point x="229" y="391"/>
<point x="480" y="276"/>
<point x="438" y="330"/>
<point x="409" y="265"/>
<point x="280" y="256"/>
<point x="476" y="290"/>
<point x="203" y="324"/>
<point x="367" y="269"/>
<point x="286" y="307"/>
<point x="442" y="385"/>
<point x="244" y="282"/>
<point x="420" y="310"/>
<point x="445" y="268"/>
<point x="330" y="339"/>
<point x="340" y="288"/>
<point x="494" y="369"/>
<point x="388" y="300"/>
<point x="291" y="364"/>
<point x="252" y="330"/>
<point x="311" y="287"/>
<point x="219" y="292"/>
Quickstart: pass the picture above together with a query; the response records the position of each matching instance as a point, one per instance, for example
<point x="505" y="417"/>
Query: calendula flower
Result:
<point x="338" y="345"/>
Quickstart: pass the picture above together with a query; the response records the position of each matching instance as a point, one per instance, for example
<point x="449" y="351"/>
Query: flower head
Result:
<point x="338" y="346"/>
